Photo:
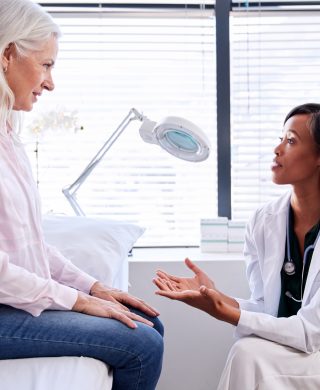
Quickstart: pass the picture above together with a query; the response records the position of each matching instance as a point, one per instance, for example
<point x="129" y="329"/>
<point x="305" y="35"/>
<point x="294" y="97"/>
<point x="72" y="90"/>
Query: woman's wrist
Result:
<point x="81" y="302"/>
<point x="96" y="287"/>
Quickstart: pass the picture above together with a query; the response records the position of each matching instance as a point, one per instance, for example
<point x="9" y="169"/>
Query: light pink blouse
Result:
<point x="33" y="275"/>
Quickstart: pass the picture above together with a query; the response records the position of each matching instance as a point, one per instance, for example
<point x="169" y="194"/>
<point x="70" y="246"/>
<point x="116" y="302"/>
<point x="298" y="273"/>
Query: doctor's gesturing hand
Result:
<point x="199" y="292"/>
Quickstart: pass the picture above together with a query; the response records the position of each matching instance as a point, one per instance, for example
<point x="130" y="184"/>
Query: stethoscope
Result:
<point x="289" y="266"/>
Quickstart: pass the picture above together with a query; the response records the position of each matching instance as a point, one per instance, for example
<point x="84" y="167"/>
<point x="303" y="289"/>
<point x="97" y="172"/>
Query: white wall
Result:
<point x="196" y="345"/>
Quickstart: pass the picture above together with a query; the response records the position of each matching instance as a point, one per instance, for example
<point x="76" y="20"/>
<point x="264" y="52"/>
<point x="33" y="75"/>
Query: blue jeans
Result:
<point x="134" y="354"/>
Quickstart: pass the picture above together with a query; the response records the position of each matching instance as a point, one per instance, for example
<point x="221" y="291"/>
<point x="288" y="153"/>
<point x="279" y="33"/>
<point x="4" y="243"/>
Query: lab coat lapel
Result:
<point x="313" y="271"/>
<point x="275" y="239"/>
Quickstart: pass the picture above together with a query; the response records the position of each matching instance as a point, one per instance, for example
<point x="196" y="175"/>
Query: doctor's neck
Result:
<point x="306" y="205"/>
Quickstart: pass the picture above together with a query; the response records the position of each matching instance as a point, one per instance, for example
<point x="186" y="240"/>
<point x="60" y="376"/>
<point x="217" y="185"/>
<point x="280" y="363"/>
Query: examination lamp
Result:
<point x="177" y="136"/>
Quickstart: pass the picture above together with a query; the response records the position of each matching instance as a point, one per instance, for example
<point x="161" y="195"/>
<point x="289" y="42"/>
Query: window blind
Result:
<point x="275" y="66"/>
<point x="159" y="3"/>
<point x="279" y="5"/>
<point x="161" y="65"/>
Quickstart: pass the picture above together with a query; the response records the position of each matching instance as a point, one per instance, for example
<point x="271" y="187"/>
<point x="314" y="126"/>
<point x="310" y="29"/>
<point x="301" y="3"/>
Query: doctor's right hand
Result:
<point x="93" y="306"/>
<point x="181" y="283"/>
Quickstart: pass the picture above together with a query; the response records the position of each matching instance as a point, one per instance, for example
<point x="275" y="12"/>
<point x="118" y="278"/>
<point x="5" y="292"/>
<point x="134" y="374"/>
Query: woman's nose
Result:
<point x="48" y="84"/>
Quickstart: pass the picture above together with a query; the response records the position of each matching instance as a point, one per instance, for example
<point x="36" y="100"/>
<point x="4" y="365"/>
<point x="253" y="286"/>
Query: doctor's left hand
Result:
<point x="99" y="290"/>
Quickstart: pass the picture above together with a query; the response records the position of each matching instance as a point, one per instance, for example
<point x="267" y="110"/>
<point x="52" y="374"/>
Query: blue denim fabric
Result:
<point x="134" y="354"/>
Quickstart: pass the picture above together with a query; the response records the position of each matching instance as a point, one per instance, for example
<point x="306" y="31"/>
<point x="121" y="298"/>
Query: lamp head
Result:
<point x="178" y="136"/>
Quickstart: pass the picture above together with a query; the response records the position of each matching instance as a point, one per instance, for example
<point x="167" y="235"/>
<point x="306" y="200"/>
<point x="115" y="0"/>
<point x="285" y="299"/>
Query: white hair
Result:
<point x="27" y="26"/>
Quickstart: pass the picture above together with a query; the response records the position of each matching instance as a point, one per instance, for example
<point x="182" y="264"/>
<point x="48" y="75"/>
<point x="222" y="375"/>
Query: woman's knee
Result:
<point x="152" y="343"/>
<point x="157" y="325"/>
<point x="141" y="361"/>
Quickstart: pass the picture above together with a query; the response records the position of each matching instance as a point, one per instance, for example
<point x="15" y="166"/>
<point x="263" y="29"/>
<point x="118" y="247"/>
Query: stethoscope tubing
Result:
<point x="289" y="266"/>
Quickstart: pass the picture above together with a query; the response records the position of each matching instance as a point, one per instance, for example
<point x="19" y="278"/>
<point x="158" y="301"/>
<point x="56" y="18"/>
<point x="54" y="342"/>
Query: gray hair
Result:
<point x="27" y="26"/>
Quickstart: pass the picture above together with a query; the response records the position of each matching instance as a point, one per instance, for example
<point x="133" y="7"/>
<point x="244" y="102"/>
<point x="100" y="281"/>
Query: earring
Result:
<point x="5" y="69"/>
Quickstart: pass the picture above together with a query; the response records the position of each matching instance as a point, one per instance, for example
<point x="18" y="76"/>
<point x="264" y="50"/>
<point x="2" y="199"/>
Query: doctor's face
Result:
<point x="297" y="158"/>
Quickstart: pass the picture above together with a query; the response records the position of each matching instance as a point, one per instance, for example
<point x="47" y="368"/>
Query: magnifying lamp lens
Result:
<point x="177" y="136"/>
<point x="181" y="140"/>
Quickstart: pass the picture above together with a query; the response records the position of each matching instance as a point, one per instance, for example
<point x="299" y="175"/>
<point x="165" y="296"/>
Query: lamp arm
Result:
<point x="70" y="191"/>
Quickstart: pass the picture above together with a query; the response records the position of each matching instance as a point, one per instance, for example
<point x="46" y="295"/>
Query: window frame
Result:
<point x="223" y="10"/>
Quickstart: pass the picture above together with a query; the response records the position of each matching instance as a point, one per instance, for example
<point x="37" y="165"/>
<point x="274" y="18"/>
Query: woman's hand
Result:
<point x="176" y="283"/>
<point x="122" y="298"/>
<point x="105" y="308"/>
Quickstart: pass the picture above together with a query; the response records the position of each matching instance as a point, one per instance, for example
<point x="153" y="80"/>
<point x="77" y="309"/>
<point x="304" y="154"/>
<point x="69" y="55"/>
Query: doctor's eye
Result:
<point x="281" y="139"/>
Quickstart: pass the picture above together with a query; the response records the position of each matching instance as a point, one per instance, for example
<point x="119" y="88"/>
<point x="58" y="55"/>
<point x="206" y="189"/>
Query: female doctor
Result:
<point x="279" y="326"/>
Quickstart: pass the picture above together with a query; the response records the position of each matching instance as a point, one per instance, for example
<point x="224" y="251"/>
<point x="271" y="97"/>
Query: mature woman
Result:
<point x="279" y="325"/>
<point x="48" y="307"/>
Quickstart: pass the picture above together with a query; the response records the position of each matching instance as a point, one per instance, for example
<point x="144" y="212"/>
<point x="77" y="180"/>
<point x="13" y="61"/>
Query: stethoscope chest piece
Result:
<point x="289" y="267"/>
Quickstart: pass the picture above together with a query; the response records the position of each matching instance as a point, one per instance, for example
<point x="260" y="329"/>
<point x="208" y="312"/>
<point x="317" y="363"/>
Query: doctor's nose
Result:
<point x="277" y="149"/>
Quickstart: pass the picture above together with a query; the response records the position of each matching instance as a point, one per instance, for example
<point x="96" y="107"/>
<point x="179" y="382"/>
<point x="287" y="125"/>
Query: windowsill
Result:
<point x="179" y="254"/>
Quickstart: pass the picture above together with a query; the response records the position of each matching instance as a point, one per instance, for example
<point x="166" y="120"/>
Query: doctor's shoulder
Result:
<point x="273" y="208"/>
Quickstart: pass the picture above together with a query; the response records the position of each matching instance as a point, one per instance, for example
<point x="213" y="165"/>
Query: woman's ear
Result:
<point x="6" y="56"/>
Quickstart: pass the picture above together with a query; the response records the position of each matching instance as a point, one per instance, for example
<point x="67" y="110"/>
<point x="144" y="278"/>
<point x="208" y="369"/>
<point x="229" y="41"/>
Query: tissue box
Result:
<point x="214" y="234"/>
<point x="236" y="232"/>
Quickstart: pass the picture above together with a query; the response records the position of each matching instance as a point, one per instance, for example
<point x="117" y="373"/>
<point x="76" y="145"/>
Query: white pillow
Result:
<point x="97" y="246"/>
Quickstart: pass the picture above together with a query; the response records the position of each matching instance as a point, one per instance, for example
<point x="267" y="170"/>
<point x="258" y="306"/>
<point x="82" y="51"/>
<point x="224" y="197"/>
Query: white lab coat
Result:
<point x="255" y="363"/>
<point x="281" y="353"/>
<point x="264" y="252"/>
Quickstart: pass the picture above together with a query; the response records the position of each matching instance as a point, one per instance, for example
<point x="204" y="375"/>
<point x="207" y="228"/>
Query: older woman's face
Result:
<point x="29" y="76"/>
